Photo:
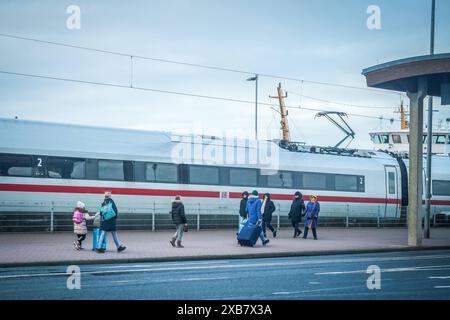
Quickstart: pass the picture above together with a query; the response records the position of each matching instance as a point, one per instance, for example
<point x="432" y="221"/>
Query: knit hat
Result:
<point x="245" y="193"/>
<point x="81" y="205"/>
<point x="254" y="192"/>
<point x="178" y="198"/>
<point x="298" y="193"/>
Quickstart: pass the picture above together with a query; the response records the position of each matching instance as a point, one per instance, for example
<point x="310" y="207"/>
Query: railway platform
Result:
<point x="22" y="249"/>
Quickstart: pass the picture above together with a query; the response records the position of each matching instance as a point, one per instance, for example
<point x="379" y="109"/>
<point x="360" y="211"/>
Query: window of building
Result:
<point x="15" y="165"/>
<point x="346" y="183"/>
<point x="203" y="175"/>
<point x="424" y="140"/>
<point x="111" y="170"/>
<point x="391" y="182"/>
<point x="439" y="139"/>
<point x="314" y="181"/>
<point x="396" y="138"/>
<point x="441" y="188"/>
<point x="283" y="179"/>
<point x="161" y="172"/>
<point x="243" y="177"/>
<point x="384" y="138"/>
<point x="66" y="168"/>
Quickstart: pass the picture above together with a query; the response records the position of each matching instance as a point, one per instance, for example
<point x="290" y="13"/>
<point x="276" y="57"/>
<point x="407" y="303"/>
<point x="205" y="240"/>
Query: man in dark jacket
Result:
<point x="296" y="213"/>
<point x="243" y="214"/>
<point x="109" y="224"/>
<point x="180" y="221"/>
<point x="268" y="208"/>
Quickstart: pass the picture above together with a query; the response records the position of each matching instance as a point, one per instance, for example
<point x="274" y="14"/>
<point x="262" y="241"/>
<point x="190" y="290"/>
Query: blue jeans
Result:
<point x="102" y="236"/>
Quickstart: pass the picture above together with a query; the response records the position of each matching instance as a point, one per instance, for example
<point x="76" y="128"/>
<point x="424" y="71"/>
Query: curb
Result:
<point x="222" y="257"/>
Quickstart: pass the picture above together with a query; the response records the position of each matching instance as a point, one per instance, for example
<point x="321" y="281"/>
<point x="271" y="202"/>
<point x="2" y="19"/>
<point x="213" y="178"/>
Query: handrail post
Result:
<point x="378" y="217"/>
<point x="153" y="216"/>
<point x="278" y="217"/>
<point x="198" y="217"/>
<point x="346" y="219"/>
<point x="52" y="213"/>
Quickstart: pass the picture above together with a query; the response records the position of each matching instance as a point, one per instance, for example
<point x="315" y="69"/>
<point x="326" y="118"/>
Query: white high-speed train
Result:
<point x="42" y="161"/>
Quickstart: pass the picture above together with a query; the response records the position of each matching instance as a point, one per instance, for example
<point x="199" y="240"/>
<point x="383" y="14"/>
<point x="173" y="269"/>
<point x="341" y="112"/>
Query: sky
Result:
<point x="322" y="41"/>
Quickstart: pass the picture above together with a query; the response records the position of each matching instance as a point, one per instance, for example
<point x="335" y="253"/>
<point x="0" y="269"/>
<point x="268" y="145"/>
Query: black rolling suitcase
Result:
<point x="249" y="234"/>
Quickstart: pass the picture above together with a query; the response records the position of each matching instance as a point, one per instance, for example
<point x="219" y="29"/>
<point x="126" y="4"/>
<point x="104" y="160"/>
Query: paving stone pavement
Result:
<point x="57" y="248"/>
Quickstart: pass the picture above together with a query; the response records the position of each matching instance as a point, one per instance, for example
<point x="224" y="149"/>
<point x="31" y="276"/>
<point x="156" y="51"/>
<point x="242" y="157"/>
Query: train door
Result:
<point x="391" y="207"/>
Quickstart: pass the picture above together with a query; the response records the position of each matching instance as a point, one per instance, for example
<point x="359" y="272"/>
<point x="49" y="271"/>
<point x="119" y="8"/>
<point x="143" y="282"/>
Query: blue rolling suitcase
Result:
<point x="95" y="237"/>
<point x="249" y="235"/>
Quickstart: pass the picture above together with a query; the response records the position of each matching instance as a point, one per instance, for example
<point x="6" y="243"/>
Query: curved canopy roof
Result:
<point x="402" y="75"/>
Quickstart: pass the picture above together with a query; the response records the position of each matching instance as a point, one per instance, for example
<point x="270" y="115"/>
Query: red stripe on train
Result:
<point x="185" y="193"/>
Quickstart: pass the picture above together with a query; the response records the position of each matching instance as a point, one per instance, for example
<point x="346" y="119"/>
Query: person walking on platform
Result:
<point x="109" y="214"/>
<point x="254" y="213"/>
<point x="312" y="214"/>
<point x="268" y="207"/>
<point x="243" y="214"/>
<point x="296" y="213"/>
<point x="180" y="221"/>
<point x="79" y="218"/>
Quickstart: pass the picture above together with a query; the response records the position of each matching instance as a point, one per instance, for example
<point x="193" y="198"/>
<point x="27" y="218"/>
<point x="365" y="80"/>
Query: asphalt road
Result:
<point x="404" y="275"/>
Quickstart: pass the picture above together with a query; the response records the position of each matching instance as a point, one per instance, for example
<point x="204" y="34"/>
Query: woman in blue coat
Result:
<point x="311" y="214"/>
<point x="254" y="213"/>
<point x="109" y="225"/>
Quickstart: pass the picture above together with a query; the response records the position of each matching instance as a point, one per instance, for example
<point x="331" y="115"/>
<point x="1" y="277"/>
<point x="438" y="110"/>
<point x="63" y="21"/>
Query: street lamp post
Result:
<point x="255" y="78"/>
<point x="429" y="139"/>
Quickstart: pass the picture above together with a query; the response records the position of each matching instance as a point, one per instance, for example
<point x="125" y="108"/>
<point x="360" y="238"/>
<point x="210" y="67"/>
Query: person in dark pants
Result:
<point x="243" y="214"/>
<point x="296" y="213"/>
<point x="312" y="214"/>
<point x="180" y="221"/>
<point x="268" y="208"/>
<point x="109" y="214"/>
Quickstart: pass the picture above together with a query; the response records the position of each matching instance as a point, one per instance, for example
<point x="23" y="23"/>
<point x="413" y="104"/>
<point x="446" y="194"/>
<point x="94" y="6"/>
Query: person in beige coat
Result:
<point x="80" y="216"/>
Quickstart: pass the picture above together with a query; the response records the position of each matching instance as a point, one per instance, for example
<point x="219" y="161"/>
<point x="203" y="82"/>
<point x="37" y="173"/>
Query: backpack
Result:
<point x="77" y="217"/>
<point x="107" y="211"/>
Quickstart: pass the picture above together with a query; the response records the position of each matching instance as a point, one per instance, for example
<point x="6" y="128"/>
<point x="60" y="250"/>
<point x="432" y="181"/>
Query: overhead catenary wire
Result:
<point x="339" y="103"/>
<point x="188" y="94"/>
<point x="196" y="65"/>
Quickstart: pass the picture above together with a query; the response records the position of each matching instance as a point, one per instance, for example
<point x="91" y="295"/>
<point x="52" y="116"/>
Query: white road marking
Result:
<point x="162" y="263"/>
<point x="441" y="287"/>
<point x="170" y="280"/>
<point x="314" y="290"/>
<point x="236" y="266"/>
<point x="424" y="268"/>
<point x="314" y="282"/>
<point x="444" y="277"/>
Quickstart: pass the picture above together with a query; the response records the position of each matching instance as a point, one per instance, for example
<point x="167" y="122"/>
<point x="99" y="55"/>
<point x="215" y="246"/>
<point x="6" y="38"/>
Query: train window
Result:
<point x="66" y="168"/>
<point x="441" y="188"/>
<point x="391" y="182"/>
<point x="282" y="179"/>
<point x="243" y="177"/>
<point x="15" y="165"/>
<point x="313" y="181"/>
<point x="161" y="172"/>
<point x="448" y="140"/>
<point x="111" y="170"/>
<point x="396" y="138"/>
<point x="439" y="139"/>
<point x="203" y="175"/>
<point x="346" y="183"/>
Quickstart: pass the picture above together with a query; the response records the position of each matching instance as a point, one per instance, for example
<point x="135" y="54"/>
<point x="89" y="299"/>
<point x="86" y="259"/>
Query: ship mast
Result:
<point x="405" y="124"/>
<point x="283" y="112"/>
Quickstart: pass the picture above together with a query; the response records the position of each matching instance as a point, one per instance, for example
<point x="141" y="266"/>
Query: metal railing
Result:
<point x="28" y="216"/>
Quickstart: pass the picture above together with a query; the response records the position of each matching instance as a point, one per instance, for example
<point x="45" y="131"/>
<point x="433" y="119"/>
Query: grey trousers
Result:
<point x="179" y="233"/>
